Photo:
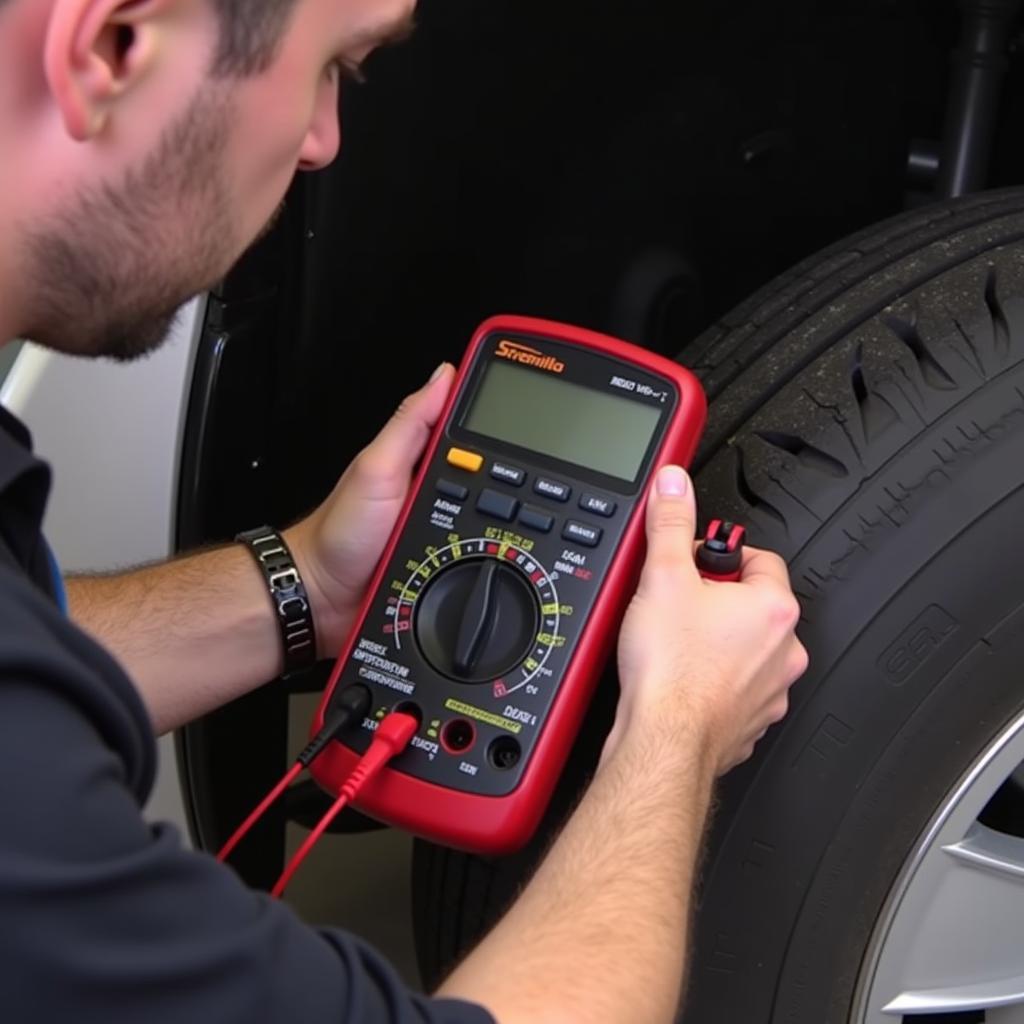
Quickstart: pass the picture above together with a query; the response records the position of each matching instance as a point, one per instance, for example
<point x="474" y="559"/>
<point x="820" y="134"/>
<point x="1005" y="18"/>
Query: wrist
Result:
<point x="668" y="727"/>
<point x="332" y="624"/>
<point x="289" y="598"/>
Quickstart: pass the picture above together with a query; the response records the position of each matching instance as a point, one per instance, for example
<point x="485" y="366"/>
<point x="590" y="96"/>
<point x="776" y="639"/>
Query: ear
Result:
<point x="96" y="51"/>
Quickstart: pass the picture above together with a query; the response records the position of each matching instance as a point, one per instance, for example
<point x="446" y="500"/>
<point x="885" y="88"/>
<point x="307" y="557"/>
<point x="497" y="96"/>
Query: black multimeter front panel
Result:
<point x="502" y="556"/>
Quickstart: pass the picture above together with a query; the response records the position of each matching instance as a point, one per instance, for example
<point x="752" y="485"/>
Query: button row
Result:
<point x="554" y="490"/>
<point x="503" y="507"/>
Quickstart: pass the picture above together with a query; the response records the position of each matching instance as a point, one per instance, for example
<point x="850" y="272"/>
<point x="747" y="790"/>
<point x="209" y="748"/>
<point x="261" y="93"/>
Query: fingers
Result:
<point x="671" y="521"/>
<point x="399" y="445"/>
<point x="764" y="568"/>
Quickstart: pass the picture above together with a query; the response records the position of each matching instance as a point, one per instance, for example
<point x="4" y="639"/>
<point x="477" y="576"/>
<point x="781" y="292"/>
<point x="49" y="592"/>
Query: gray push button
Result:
<point x="552" y="489"/>
<point x="581" y="533"/>
<point x="501" y="506"/>
<point x="452" y="490"/>
<point x="536" y="520"/>
<point x="599" y="506"/>
<point x="508" y="474"/>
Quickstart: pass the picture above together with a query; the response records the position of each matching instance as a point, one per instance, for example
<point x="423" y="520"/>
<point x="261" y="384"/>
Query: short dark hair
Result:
<point x="250" y="32"/>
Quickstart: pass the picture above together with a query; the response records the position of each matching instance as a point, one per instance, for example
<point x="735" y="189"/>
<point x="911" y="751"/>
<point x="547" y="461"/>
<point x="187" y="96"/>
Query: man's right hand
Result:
<point x="711" y="662"/>
<point x="600" y="933"/>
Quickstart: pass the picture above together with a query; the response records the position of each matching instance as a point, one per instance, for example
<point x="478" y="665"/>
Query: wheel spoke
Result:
<point x="962" y="930"/>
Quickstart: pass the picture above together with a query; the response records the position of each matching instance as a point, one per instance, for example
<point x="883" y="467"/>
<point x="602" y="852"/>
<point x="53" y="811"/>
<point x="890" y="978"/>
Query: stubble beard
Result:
<point x="108" y="275"/>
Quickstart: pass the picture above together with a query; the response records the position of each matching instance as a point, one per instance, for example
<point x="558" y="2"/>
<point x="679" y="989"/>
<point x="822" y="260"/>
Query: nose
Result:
<point x="323" y="140"/>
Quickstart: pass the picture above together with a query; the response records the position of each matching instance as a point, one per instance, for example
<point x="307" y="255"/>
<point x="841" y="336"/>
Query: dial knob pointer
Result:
<point x="478" y="620"/>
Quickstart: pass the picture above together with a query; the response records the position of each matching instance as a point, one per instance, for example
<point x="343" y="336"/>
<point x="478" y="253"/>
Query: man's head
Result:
<point x="147" y="142"/>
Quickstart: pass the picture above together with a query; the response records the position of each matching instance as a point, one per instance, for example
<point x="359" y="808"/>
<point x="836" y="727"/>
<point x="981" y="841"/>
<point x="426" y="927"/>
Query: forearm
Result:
<point x="193" y="633"/>
<point x="600" y="933"/>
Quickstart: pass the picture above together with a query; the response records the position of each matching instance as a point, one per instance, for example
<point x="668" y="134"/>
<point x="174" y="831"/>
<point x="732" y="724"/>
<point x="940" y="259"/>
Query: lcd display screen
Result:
<point x="563" y="420"/>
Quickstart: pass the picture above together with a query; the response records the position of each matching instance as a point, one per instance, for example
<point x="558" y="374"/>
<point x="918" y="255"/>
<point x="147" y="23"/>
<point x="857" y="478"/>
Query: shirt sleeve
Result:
<point x="106" y="919"/>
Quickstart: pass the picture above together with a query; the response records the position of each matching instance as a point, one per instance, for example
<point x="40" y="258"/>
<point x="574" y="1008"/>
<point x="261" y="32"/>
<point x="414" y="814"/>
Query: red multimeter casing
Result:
<point x="498" y="599"/>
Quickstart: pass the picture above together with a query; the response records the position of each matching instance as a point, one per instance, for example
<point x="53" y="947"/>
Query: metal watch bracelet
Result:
<point x="287" y="592"/>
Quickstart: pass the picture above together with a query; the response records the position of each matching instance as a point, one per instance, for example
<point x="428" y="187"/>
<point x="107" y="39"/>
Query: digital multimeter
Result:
<point x="499" y="596"/>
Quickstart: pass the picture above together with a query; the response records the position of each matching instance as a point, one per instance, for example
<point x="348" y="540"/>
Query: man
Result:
<point x="145" y="143"/>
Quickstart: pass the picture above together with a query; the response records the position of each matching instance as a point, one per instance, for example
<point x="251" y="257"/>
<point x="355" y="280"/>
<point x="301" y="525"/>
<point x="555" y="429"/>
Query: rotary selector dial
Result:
<point x="480" y="610"/>
<point x="477" y="620"/>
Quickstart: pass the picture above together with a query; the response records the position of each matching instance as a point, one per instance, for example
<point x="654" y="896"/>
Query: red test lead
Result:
<point x="720" y="557"/>
<point x="353" y="705"/>
<point x="391" y="738"/>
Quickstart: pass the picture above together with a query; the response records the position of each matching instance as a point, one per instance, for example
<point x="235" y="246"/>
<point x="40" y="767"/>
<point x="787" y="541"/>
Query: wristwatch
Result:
<point x="291" y="602"/>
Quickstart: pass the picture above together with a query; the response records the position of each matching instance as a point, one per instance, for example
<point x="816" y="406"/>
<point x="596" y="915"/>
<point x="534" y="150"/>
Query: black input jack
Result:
<point x="408" y="707"/>
<point x="458" y="736"/>
<point x="504" y="753"/>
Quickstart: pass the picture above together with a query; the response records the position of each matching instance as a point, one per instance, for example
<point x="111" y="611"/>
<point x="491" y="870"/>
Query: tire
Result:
<point x="867" y="422"/>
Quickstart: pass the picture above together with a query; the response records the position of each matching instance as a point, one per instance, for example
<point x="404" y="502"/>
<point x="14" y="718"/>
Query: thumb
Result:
<point x="401" y="442"/>
<point x="671" y="520"/>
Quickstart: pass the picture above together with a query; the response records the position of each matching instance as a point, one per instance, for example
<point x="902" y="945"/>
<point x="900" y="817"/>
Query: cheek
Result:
<point x="268" y="159"/>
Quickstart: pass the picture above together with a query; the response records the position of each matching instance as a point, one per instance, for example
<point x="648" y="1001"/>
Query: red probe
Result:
<point x="720" y="557"/>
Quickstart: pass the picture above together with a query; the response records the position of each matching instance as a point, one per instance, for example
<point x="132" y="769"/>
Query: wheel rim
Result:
<point x="949" y="944"/>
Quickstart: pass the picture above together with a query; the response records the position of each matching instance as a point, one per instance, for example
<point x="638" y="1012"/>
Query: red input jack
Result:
<point x="458" y="736"/>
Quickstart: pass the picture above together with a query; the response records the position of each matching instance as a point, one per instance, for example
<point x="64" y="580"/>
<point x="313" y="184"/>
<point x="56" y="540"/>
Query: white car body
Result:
<point x="113" y="437"/>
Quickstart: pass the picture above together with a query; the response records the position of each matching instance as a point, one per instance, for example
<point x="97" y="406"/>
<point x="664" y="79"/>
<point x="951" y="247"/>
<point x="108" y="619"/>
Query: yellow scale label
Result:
<point x="550" y="640"/>
<point x="508" y="539"/>
<point x="549" y="609"/>
<point x="483" y="716"/>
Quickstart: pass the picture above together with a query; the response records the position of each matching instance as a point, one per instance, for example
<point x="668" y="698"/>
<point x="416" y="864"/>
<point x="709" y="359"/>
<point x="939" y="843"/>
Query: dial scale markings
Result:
<point x="439" y="558"/>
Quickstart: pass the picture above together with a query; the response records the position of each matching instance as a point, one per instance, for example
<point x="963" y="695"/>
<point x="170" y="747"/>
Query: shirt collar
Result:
<point x="24" y="488"/>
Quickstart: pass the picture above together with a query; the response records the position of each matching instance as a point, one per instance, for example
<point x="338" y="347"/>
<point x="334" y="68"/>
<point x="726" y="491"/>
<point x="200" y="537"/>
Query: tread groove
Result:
<point x="933" y="372"/>
<point x="877" y="414"/>
<point x="1000" y="325"/>
<point x="750" y="496"/>
<point x="969" y="342"/>
<point x="807" y="454"/>
<point x="860" y="388"/>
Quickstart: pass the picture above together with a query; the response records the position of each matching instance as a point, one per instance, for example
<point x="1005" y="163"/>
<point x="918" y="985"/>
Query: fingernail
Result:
<point x="673" y="482"/>
<point x="437" y="373"/>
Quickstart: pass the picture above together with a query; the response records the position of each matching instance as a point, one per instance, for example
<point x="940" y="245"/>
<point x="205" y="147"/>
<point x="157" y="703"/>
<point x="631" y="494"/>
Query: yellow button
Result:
<point x="469" y="461"/>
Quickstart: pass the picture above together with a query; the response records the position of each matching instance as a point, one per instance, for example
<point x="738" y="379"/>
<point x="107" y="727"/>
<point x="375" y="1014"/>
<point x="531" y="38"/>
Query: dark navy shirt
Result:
<point x="105" y="919"/>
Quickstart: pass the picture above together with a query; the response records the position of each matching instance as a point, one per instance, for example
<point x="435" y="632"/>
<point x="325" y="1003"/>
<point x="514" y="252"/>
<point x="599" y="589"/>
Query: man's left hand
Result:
<point x="337" y="547"/>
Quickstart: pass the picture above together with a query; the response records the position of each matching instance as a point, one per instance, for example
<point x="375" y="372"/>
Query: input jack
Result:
<point x="458" y="736"/>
